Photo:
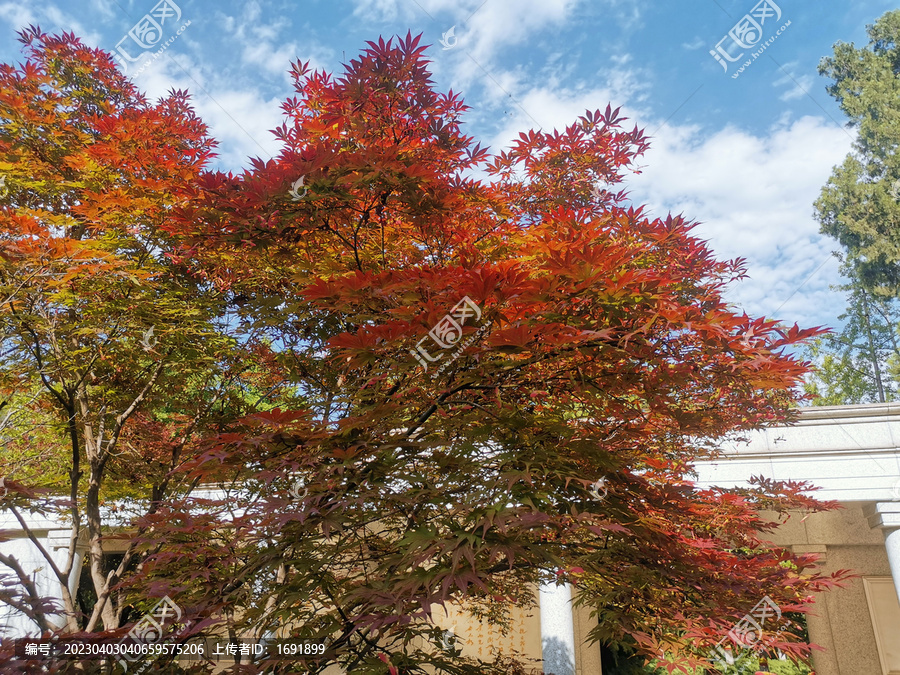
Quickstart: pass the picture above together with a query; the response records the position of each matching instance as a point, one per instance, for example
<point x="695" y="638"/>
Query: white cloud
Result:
<point x="797" y="86"/>
<point x="386" y="10"/>
<point x="240" y="118"/>
<point x="240" y="103"/>
<point x="753" y="196"/>
<point x="482" y="27"/>
<point x="17" y="15"/>
<point x="49" y="17"/>
<point x="499" y="24"/>
<point x="107" y="8"/>
<point x="692" y="46"/>
<point x="239" y="115"/>
<point x="549" y="109"/>
<point x="262" y="45"/>
<point x="241" y="121"/>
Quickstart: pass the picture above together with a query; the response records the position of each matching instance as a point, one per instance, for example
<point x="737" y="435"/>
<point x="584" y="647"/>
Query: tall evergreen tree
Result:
<point x="859" y="206"/>
<point x="860" y="363"/>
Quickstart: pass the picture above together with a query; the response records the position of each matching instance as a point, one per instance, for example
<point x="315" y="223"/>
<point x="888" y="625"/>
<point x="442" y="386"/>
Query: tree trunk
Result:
<point x="873" y="355"/>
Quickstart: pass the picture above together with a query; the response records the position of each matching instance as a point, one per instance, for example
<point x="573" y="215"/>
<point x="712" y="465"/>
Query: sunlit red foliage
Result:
<point x="378" y="491"/>
<point x="606" y="350"/>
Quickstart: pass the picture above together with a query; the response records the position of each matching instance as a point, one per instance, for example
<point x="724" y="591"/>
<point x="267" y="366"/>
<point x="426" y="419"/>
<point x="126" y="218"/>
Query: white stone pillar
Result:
<point x="557" y="629"/>
<point x="892" y="544"/>
<point x="886" y="516"/>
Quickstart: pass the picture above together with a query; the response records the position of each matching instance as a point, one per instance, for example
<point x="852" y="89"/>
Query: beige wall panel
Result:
<point x="884" y="609"/>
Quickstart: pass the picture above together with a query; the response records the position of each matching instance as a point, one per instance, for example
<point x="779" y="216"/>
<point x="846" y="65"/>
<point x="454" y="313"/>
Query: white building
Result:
<point x="853" y="454"/>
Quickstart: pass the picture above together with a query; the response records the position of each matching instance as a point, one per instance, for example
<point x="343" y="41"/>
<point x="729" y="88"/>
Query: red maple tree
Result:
<point x="469" y="343"/>
<point x="474" y="354"/>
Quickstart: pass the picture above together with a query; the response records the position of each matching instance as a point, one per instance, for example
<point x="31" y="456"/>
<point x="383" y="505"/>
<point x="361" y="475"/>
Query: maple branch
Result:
<point x="350" y="628"/>
<point x="157" y="494"/>
<point x="74" y="474"/>
<point x="434" y="406"/>
<point x="379" y="211"/>
<point x="86" y="370"/>
<point x="123" y="417"/>
<point x="39" y="546"/>
<point x="98" y="463"/>
<point x="364" y="219"/>
<point x="35" y="613"/>
<point x="474" y="405"/>
<point x="36" y="352"/>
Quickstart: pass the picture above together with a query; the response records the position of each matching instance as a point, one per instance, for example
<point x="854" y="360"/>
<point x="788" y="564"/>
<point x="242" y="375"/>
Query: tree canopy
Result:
<point x="461" y="345"/>
<point x="114" y="361"/>
<point x="859" y="204"/>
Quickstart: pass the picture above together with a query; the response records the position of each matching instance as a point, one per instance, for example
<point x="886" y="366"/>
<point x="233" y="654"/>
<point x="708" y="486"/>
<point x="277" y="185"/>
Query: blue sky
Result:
<point x="745" y="156"/>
